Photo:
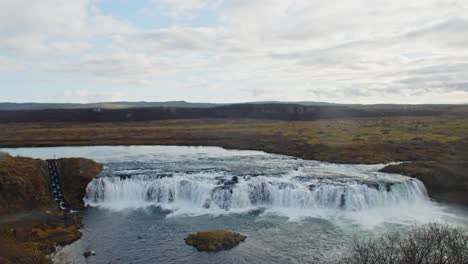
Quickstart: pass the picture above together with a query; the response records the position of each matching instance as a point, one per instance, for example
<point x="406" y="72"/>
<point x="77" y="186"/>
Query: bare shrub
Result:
<point x="429" y="244"/>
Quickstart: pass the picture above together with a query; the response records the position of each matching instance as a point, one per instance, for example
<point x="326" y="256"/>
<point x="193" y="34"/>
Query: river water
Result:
<point x="148" y="198"/>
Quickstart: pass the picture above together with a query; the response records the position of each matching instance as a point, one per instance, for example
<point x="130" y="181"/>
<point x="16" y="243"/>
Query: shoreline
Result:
<point x="421" y="140"/>
<point x="72" y="223"/>
<point x="432" y="149"/>
<point x="437" y="190"/>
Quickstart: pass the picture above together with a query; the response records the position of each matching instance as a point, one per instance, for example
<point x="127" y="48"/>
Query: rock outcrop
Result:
<point x="75" y="174"/>
<point x="23" y="185"/>
<point x="214" y="240"/>
<point x="445" y="180"/>
<point x="31" y="222"/>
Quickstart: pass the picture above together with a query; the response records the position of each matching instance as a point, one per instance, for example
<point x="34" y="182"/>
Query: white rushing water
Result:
<point x="220" y="192"/>
<point x="208" y="180"/>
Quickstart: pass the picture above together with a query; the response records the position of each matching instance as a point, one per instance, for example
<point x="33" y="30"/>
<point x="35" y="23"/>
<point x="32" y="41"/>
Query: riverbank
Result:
<point x="446" y="181"/>
<point x="31" y="224"/>
<point x="440" y="139"/>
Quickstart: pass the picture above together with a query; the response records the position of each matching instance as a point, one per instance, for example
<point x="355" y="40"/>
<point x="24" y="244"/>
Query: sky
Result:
<point x="347" y="51"/>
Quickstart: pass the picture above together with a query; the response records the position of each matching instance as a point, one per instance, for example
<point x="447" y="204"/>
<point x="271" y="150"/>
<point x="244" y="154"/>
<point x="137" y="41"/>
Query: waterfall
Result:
<point x="215" y="192"/>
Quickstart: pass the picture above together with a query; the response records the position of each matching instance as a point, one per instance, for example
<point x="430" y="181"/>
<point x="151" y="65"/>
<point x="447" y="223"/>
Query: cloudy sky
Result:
<point x="346" y="51"/>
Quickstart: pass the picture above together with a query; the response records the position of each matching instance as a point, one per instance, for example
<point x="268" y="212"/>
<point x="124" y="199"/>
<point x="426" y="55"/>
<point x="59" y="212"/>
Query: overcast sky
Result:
<point x="346" y="51"/>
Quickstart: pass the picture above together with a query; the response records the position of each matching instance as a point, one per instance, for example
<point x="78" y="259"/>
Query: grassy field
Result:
<point x="364" y="140"/>
<point x="442" y="140"/>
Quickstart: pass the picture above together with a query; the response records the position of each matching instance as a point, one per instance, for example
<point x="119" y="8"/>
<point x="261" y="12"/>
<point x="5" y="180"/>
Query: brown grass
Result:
<point x="364" y="140"/>
<point x="23" y="184"/>
<point x="31" y="225"/>
<point x="214" y="240"/>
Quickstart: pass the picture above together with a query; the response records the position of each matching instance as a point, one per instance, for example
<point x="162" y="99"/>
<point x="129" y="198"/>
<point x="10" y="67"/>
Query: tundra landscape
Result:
<point x="233" y="131"/>
<point x="430" y="141"/>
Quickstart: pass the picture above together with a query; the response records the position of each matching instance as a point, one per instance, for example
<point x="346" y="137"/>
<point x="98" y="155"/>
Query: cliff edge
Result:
<point x="445" y="181"/>
<point x="31" y="223"/>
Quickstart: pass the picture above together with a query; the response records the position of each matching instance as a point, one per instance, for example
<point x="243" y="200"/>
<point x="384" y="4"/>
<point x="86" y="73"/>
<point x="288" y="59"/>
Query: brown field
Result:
<point x="441" y="139"/>
<point x="438" y="147"/>
<point x="364" y="140"/>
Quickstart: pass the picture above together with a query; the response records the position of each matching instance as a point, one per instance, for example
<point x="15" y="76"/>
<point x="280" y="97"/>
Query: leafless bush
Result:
<point x="60" y="257"/>
<point x="428" y="244"/>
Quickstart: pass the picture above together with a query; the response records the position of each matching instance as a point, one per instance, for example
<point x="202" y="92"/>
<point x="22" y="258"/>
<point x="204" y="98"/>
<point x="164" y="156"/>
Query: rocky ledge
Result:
<point x="214" y="240"/>
<point x="445" y="181"/>
<point x="31" y="223"/>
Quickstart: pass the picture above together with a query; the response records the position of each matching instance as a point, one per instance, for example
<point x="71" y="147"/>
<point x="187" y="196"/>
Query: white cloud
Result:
<point x="362" y="51"/>
<point x="52" y="27"/>
<point x="183" y="8"/>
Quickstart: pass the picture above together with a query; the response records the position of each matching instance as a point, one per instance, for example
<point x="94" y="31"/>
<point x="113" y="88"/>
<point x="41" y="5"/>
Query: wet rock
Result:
<point x="214" y="240"/>
<point x="207" y="204"/>
<point x="75" y="174"/>
<point x="164" y="175"/>
<point x="229" y="183"/>
<point x="259" y="193"/>
<point x="89" y="253"/>
<point x="285" y="185"/>
<point x="125" y="176"/>
<point x="372" y="184"/>
<point x="222" y="196"/>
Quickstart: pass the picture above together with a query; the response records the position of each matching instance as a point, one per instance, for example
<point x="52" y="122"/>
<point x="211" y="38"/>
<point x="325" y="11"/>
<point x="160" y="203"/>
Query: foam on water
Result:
<point x="210" y="180"/>
<point x="287" y="187"/>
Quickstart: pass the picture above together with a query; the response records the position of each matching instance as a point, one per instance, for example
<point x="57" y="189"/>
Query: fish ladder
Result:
<point x="55" y="186"/>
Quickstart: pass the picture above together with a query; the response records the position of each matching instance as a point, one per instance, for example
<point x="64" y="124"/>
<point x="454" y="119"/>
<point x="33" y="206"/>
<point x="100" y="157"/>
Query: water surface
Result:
<point x="148" y="198"/>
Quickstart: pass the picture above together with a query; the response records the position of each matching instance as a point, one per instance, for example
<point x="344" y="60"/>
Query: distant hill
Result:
<point x="235" y="111"/>
<point x="103" y="105"/>
<point x="7" y="106"/>
<point x="125" y="105"/>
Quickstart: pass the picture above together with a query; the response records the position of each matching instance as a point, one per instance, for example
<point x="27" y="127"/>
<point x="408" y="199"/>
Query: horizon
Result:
<point x="233" y="103"/>
<point x="230" y="51"/>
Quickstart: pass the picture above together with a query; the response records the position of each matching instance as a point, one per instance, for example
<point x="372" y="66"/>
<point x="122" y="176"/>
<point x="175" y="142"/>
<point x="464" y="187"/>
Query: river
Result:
<point x="148" y="198"/>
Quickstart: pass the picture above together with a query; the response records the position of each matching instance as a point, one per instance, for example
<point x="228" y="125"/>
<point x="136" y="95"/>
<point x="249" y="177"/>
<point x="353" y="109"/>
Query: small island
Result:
<point x="214" y="240"/>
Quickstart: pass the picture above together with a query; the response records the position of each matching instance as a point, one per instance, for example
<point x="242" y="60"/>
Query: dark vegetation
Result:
<point x="124" y="104"/>
<point x="251" y="111"/>
<point x="432" y="244"/>
<point x="31" y="224"/>
<point x="105" y="105"/>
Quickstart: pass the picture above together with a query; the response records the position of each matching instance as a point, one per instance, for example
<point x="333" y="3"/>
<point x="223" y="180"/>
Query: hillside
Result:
<point x="237" y="111"/>
<point x="31" y="225"/>
<point x="23" y="185"/>
<point x="103" y="105"/>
